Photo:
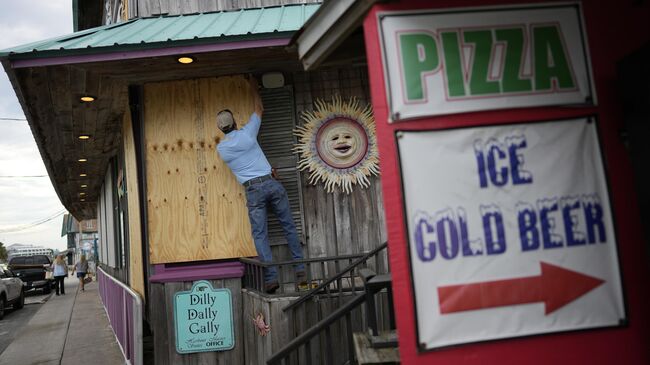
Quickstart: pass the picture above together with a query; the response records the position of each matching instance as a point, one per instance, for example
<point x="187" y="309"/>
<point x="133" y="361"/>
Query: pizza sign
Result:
<point x="450" y="62"/>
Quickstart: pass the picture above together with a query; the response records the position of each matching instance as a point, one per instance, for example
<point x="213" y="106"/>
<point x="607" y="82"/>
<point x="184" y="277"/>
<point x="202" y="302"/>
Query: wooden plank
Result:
<point x="236" y="355"/>
<point x="368" y="355"/>
<point x="347" y="241"/>
<point x="149" y="7"/>
<point x="197" y="209"/>
<point x="257" y="347"/>
<point x="250" y="357"/>
<point x="158" y="322"/>
<point x="174" y="357"/>
<point x="208" y="5"/>
<point x="136" y="274"/>
<point x="188" y="6"/>
<point x="357" y="218"/>
<point x="280" y="322"/>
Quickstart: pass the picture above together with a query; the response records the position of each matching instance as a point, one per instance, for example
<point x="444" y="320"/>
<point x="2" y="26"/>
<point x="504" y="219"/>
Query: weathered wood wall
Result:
<point x="260" y="348"/>
<point x="136" y="269"/>
<point x="162" y="325"/>
<point x="142" y="8"/>
<point x="335" y="224"/>
<point x="338" y="223"/>
<point x="196" y="207"/>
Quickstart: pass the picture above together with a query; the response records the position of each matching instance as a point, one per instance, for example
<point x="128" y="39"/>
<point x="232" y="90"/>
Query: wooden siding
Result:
<point x="162" y="325"/>
<point x="285" y="327"/>
<point x="143" y="8"/>
<point x="136" y="279"/>
<point x="334" y="224"/>
<point x="259" y="348"/>
<point x="338" y="223"/>
<point x="196" y="207"/>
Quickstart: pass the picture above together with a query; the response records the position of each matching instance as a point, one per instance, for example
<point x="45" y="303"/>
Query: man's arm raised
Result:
<point x="255" y="121"/>
<point x="259" y="107"/>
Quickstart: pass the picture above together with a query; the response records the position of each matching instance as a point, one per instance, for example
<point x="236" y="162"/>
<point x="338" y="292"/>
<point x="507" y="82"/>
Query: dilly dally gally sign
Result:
<point x="454" y="61"/>
<point x="203" y="319"/>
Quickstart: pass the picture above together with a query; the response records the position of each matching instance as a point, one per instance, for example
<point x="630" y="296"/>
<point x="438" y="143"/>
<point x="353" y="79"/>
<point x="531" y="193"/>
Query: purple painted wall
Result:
<point x="119" y="308"/>
<point x="223" y="270"/>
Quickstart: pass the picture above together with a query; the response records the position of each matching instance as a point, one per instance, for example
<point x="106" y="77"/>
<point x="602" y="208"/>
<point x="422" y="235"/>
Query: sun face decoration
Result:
<point x="337" y="145"/>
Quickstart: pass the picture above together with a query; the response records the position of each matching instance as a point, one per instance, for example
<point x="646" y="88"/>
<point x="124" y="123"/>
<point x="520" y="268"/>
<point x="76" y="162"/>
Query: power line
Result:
<point x="15" y="119"/>
<point x="20" y="176"/>
<point x="33" y="224"/>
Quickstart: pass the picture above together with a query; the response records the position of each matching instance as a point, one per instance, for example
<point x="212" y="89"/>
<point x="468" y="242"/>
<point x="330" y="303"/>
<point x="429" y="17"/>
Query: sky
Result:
<point x="24" y="201"/>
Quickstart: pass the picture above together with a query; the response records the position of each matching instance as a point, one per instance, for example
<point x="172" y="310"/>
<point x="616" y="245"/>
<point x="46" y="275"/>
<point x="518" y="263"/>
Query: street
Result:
<point x="15" y="320"/>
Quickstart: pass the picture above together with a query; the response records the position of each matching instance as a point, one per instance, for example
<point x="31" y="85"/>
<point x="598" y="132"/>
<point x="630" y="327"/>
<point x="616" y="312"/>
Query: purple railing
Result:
<point x="124" y="309"/>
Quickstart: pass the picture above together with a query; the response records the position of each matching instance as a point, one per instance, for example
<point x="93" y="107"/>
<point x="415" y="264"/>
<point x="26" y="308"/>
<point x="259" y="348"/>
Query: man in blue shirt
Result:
<point x="243" y="155"/>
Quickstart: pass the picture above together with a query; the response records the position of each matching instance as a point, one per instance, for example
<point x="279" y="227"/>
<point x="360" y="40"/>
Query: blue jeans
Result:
<point x="258" y="197"/>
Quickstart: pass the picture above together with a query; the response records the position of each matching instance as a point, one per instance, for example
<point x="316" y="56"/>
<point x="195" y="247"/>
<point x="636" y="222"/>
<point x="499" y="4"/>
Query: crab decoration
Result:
<point x="262" y="328"/>
<point x="337" y="145"/>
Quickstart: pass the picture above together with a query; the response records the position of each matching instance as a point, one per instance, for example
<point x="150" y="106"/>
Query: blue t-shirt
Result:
<point x="241" y="152"/>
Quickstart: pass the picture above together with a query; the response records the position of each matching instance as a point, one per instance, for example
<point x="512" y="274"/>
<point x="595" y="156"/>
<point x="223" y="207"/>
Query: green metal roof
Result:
<point x="188" y="28"/>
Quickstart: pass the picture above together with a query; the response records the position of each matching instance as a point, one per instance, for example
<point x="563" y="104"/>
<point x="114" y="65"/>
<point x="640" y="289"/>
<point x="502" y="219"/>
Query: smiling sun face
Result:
<point x="341" y="143"/>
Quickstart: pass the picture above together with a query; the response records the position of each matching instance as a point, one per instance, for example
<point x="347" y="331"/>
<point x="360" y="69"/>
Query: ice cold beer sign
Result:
<point x="203" y="319"/>
<point x="451" y="62"/>
<point x="510" y="231"/>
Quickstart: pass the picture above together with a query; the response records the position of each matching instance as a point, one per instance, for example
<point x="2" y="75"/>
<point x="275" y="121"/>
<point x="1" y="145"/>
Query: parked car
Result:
<point x="11" y="291"/>
<point x="32" y="271"/>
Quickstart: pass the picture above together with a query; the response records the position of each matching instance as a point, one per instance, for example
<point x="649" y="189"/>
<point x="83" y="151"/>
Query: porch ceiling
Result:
<point x="50" y="94"/>
<point x="50" y="76"/>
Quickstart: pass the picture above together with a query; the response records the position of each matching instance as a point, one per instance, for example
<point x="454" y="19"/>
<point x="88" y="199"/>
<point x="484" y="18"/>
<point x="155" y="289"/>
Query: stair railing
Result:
<point x="325" y="285"/>
<point x="300" y="350"/>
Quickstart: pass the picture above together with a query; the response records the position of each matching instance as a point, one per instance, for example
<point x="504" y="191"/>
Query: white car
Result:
<point x="11" y="291"/>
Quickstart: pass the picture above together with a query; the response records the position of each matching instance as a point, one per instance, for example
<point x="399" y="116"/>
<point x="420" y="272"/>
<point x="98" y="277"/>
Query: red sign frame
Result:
<point x="626" y="344"/>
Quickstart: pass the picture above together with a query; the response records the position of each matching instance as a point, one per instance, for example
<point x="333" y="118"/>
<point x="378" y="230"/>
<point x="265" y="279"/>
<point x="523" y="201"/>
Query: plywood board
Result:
<point x="133" y="201"/>
<point x="196" y="207"/>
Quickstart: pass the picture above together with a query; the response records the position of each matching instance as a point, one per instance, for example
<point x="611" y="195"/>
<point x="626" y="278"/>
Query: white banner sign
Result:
<point x="480" y="59"/>
<point x="510" y="231"/>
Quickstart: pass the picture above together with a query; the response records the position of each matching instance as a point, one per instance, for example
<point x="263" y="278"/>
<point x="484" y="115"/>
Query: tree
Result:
<point x="3" y="252"/>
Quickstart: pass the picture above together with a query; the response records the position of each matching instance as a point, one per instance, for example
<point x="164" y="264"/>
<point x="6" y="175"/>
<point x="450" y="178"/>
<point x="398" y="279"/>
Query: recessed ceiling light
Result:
<point x="185" y="60"/>
<point x="83" y="175"/>
<point x="87" y="98"/>
<point x="82" y="199"/>
<point x="82" y="194"/>
<point x="83" y="160"/>
<point x="83" y="186"/>
<point x="84" y="136"/>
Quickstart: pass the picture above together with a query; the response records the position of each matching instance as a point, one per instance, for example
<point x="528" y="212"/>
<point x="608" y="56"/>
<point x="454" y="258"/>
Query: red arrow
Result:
<point x="555" y="287"/>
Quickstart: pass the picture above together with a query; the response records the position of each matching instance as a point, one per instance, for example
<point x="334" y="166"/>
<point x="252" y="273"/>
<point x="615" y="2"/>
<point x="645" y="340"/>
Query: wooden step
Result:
<point x="367" y="354"/>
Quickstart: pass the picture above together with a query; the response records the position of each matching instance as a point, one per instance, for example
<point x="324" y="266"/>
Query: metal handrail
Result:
<point x="370" y="291"/>
<point x="137" y="319"/>
<point x="336" y="277"/>
<point x="254" y="272"/>
<point x="257" y="262"/>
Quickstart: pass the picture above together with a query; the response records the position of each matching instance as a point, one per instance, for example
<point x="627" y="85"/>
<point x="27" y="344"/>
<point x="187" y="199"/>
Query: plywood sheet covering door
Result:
<point x="196" y="207"/>
<point x="133" y="202"/>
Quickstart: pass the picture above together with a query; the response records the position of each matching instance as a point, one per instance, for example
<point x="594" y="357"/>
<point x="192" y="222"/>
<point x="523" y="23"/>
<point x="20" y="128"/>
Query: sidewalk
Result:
<point x="68" y="329"/>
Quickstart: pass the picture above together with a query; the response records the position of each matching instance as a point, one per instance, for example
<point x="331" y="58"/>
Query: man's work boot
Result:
<point x="301" y="280"/>
<point x="271" y="287"/>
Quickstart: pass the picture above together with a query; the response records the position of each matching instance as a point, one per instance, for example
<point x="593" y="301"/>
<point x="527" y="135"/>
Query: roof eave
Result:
<point x="38" y="137"/>
<point x="332" y="23"/>
<point x="135" y="51"/>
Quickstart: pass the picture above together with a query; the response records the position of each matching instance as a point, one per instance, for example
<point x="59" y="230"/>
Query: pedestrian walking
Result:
<point x="60" y="272"/>
<point x="243" y="155"/>
<point x="81" y="267"/>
